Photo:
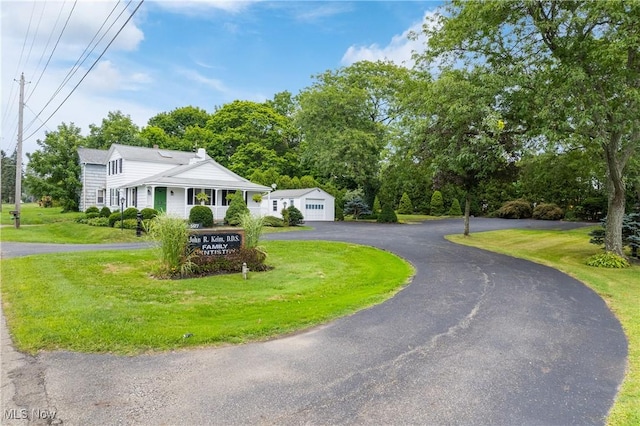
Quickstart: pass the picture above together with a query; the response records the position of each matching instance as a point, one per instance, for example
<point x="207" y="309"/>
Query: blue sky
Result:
<point x="178" y="53"/>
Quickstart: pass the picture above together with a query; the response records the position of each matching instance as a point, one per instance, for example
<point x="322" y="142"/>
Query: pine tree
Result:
<point x="437" y="204"/>
<point x="455" y="209"/>
<point x="405" y="206"/>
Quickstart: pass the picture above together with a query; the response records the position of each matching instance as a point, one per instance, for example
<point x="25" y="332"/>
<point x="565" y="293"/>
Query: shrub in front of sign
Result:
<point x="231" y="263"/>
<point x="201" y="214"/>
<point x="172" y="236"/>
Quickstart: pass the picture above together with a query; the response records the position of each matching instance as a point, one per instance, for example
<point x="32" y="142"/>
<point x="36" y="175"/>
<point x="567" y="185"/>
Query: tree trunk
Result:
<point x="616" y="197"/>
<point x="467" y="212"/>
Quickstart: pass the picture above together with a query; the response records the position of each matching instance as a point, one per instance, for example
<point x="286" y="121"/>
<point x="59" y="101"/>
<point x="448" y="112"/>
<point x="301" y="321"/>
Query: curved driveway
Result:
<point x="477" y="338"/>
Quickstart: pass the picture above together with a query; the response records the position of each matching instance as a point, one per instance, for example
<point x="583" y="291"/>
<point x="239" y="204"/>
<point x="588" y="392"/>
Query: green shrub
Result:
<point x="387" y="215"/>
<point x="201" y="214"/>
<point x="98" y="221"/>
<point x="377" y="207"/>
<point x="237" y="207"/>
<point x="405" y="206"/>
<point x="92" y="215"/>
<point x="285" y="217"/>
<point x="105" y="212"/>
<point x="295" y="216"/>
<point x="130" y="213"/>
<point x="252" y="226"/>
<point x="172" y="235"/>
<point x="113" y="218"/>
<point x="548" y="211"/>
<point x="607" y="260"/>
<point x="516" y="209"/>
<point x="455" y="209"/>
<point x="148" y="213"/>
<point x="126" y="224"/>
<point x="208" y="265"/>
<point x="273" y="221"/>
<point x="92" y="209"/>
<point x="437" y="204"/>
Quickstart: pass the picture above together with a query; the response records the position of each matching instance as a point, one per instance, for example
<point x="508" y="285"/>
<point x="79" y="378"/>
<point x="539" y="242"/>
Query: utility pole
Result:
<point x="16" y="214"/>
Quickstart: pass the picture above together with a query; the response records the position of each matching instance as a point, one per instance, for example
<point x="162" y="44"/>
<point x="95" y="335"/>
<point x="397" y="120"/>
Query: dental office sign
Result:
<point x="216" y="243"/>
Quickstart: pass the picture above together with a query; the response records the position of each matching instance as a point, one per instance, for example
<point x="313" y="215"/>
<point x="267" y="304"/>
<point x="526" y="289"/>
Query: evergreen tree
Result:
<point x="405" y="207"/>
<point x="437" y="204"/>
<point x="455" y="209"/>
<point x="387" y="215"/>
<point x="237" y="207"/>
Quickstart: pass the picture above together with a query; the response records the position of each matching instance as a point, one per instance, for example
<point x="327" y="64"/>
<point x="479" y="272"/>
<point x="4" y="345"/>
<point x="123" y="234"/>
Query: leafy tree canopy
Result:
<point x="54" y="169"/>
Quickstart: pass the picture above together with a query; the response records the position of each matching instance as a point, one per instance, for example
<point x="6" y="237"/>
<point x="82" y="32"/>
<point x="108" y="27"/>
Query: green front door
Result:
<point x="160" y="199"/>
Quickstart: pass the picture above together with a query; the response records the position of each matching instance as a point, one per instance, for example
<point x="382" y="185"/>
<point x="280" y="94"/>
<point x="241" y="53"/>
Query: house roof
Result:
<point x="92" y="156"/>
<point x="155" y="155"/>
<point x="171" y="178"/>
<point x="296" y="193"/>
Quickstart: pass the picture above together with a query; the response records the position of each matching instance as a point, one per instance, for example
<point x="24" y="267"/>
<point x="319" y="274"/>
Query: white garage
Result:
<point x="314" y="203"/>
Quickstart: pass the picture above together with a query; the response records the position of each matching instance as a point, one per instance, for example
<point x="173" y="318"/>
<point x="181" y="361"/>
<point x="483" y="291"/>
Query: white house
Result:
<point x="132" y="176"/>
<point x="314" y="203"/>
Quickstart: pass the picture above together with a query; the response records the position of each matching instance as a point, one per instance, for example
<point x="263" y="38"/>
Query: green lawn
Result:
<point x="32" y="214"/>
<point x="567" y="251"/>
<point x="107" y="301"/>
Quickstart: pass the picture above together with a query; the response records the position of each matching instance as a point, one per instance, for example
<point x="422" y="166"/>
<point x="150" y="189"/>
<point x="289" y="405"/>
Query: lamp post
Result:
<point x="122" y="213"/>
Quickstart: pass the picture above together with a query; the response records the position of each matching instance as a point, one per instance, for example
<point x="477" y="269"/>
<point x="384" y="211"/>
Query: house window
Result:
<point x="193" y="192"/>
<point x="275" y="205"/>
<point x="120" y="165"/>
<point x="100" y="196"/>
<point x="113" y="197"/>
<point x="134" y="197"/>
<point x="225" y="193"/>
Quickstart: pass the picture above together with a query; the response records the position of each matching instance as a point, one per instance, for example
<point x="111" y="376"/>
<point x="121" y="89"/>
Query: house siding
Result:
<point x="94" y="179"/>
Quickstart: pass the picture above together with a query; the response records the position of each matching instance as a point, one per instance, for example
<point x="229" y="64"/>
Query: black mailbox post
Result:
<point x="139" y="225"/>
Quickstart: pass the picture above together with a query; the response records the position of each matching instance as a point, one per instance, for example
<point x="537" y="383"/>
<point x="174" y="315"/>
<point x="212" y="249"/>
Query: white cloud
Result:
<point x="197" y="7"/>
<point x="31" y="30"/>
<point x="212" y="83"/>
<point x="399" y="50"/>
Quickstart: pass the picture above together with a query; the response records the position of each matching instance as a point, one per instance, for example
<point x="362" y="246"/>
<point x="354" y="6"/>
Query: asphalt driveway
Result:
<point x="477" y="338"/>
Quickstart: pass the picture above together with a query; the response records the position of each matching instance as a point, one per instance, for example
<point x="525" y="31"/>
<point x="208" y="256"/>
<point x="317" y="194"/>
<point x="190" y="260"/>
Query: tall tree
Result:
<point x="54" y="169"/>
<point x="175" y="123"/>
<point x="8" y="177"/>
<point x="116" y="128"/>
<point x="573" y="65"/>
<point x="241" y="123"/>
<point x="459" y="129"/>
<point x="346" y="117"/>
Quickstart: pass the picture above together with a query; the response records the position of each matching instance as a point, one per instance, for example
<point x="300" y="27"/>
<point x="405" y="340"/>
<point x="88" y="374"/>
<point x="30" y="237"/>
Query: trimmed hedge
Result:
<point x="92" y="209"/>
<point x="148" y="213"/>
<point x="516" y="209"/>
<point x="105" y="212"/>
<point x="548" y="211"/>
<point x="201" y="214"/>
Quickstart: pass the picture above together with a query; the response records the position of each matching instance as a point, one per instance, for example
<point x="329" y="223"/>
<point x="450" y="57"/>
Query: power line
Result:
<point x="55" y="25"/>
<point x="88" y="71"/>
<point x="54" y="49"/>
